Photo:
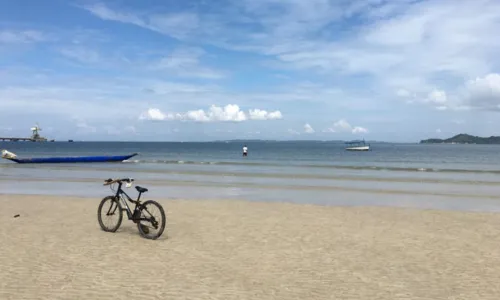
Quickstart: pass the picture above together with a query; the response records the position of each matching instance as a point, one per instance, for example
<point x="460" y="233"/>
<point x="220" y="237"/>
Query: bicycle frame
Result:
<point x="140" y="214"/>
<point x="118" y="195"/>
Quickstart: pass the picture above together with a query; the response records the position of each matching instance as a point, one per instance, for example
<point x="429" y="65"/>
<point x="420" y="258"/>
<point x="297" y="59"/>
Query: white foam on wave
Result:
<point x="131" y="161"/>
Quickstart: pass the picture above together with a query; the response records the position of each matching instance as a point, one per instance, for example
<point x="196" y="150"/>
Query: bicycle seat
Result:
<point x="141" y="189"/>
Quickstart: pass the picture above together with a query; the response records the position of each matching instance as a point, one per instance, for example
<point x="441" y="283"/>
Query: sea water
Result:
<point x="410" y="175"/>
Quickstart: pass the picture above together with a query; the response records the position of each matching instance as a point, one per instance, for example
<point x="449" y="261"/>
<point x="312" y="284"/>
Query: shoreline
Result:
<point x="227" y="249"/>
<point x="233" y="201"/>
<point x="337" y="199"/>
<point x="421" y="196"/>
<point x="333" y="188"/>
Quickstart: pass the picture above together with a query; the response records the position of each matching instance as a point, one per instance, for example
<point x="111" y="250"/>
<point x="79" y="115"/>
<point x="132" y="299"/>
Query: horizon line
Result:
<point x="206" y="141"/>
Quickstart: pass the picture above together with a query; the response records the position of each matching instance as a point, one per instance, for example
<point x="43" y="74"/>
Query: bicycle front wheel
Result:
<point x="109" y="214"/>
<point x="152" y="221"/>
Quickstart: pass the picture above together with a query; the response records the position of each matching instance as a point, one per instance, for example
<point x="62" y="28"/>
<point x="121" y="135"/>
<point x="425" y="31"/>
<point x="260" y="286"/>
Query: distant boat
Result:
<point x="78" y="159"/>
<point x="357" y="146"/>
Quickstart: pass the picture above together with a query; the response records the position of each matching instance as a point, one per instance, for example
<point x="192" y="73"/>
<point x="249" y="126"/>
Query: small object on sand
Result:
<point x="16" y="216"/>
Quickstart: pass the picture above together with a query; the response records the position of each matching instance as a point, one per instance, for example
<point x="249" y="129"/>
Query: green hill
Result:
<point x="464" y="139"/>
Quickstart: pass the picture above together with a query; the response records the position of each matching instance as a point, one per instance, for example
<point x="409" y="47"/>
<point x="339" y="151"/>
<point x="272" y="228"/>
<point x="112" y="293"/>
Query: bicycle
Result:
<point x="139" y="213"/>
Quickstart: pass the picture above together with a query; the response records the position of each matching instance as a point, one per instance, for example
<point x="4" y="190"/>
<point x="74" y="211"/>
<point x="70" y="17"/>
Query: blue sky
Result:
<point x="258" y="69"/>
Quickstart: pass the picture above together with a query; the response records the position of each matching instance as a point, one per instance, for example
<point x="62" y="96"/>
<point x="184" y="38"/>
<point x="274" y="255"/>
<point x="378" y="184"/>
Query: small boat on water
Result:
<point x="357" y="146"/>
<point x="75" y="159"/>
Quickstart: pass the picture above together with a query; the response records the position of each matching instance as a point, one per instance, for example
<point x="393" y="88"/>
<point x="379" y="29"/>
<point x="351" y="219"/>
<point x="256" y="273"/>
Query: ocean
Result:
<point x="434" y="176"/>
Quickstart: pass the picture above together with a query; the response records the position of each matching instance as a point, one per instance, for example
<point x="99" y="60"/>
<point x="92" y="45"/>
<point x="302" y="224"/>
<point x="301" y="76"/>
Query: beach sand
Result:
<point x="214" y="249"/>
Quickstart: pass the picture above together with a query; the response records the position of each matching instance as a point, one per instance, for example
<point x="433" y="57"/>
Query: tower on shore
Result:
<point x="35" y="136"/>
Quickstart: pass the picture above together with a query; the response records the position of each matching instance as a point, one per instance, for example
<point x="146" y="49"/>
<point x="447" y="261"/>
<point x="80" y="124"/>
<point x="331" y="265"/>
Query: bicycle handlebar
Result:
<point x="112" y="181"/>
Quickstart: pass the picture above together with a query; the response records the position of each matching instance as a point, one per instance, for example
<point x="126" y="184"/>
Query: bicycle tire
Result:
<point x="118" y="210"/>
<point x="161" y="225"/>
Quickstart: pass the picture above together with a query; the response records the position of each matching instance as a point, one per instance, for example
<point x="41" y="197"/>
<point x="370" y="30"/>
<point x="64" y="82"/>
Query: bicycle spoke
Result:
<point x="109" y="214"/>
<point x="152" y="220"/>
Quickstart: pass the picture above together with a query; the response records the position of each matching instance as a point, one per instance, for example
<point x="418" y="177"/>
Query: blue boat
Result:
<point x="76" y="159"/>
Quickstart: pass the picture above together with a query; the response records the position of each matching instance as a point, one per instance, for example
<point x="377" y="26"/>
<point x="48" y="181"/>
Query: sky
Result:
<point x="199" y="70"/>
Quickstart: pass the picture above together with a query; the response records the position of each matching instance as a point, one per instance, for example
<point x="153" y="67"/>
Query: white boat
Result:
<point x="357" y="146"/>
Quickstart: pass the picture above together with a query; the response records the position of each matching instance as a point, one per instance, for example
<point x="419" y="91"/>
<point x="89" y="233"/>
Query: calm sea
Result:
<point x="433" y="176"/>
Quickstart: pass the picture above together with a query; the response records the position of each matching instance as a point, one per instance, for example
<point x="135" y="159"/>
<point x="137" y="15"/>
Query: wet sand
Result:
<point x="224" y="249"/>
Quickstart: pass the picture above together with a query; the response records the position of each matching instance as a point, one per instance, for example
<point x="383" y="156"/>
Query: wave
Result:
<point x="326" y="166"/>
<point x="189" y="162"/>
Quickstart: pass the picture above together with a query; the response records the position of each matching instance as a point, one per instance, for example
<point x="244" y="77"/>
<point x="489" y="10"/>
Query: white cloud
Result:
<point x="177" y="25"/>
<point x="437" y="97"/>
<point x="403" y="93"/>
<point x="421" y="51"/>
<point x="359" y="130"/>
<point x="419" y="40"/>
<point x="293" y="132"/>
<point x="402" y="46"/>
<point x="105" y="13"/>
<point x="480" y="93"/>
<point x="259" y="114"/>
<point x="308" y="128"/>
<point x="228" y="113"/>
<point x="153" y="114"/>
<point x="409" y="33"/>
<point x="438" y="130"/>
<point x="80" y="54"/>
<point x="52" y="94"/>
<point x="484" y="92"/>
<point x="21" y="36"/>
<point x="85" y="97"/>
<point x="186" y="62"/>
<point x="343" y="126"/>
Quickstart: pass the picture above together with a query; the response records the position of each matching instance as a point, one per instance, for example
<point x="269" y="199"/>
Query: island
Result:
<point x="464" y="139"/>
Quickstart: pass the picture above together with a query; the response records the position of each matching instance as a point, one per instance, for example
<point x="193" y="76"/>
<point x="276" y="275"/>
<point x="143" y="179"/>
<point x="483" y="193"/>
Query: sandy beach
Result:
<point x="222" y="249"/>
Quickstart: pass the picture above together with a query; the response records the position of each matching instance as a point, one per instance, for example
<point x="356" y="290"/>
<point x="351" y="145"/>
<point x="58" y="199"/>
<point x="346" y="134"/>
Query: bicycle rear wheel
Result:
<point x="152" y="221"/>
<point x="109" y="214"/>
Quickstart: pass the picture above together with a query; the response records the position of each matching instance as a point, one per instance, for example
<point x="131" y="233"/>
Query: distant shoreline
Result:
<point x="224" y="141"/>
<point x="465" y="139"/>
<point x="458" y="139"/>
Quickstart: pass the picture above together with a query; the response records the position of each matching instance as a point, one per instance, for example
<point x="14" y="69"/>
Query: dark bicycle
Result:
<point x="147" y="222"/>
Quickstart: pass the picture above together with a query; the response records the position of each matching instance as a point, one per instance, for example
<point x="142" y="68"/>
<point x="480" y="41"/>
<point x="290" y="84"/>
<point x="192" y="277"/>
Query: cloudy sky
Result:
<point x="399" y="70"/>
